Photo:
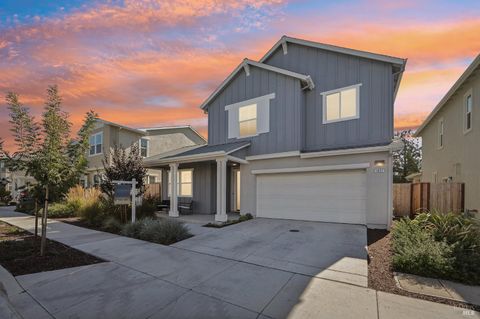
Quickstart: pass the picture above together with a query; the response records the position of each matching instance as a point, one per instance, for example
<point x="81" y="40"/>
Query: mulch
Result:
<point x="380" y="270"/>
<point x="20" y="253"/>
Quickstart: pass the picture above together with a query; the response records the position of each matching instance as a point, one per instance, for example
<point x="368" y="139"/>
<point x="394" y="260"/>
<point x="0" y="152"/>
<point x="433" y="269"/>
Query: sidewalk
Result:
<point x="146" y="280"/>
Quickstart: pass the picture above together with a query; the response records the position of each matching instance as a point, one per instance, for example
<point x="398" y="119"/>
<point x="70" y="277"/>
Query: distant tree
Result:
<point x="45" y="150"/>
<point x="408" y="160"/>
<point x="124" y="166"/>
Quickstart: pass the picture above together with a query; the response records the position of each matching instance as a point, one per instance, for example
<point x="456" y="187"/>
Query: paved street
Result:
<point x="256" y="269"/>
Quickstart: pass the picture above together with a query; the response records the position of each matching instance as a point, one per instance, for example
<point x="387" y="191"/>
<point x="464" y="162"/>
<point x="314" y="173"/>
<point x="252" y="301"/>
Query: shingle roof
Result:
<point x="227" y="148"/>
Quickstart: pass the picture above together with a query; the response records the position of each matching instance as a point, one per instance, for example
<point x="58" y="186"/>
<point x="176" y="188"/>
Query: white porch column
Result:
<point x="221" y="215"/>
<point x="173" y="196"/>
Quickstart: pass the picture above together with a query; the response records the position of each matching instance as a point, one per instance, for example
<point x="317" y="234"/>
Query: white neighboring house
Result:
<point x="152" y="141"/>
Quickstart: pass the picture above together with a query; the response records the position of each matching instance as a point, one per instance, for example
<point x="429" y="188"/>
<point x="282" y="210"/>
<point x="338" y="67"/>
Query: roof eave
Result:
<point x="333" y="48"/>
<point x="305" y="79"/>
<point x="465" y="75"/>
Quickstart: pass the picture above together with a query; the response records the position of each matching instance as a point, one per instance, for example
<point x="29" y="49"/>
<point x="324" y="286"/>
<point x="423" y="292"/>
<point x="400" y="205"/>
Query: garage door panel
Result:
<point x="320" y="196"/>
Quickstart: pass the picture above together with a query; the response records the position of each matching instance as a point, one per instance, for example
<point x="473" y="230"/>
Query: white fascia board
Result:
<point x="236" y="159"/>
<point x="189" y="158"/>
<point x="394" y="146"/>
<point x="273" y="155"/>
<point x="302" y="77"/>
<point x="312" y="169"/>
<point x="333" y="48"/>
<point x="468" y="72"/>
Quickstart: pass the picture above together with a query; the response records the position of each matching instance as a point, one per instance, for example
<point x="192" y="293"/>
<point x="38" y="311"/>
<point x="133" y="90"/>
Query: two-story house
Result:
<point x="305" y="133"/>
<point x="151" y="141"/>
<point x="450" y="135"/>
<point x="14" y="181"/>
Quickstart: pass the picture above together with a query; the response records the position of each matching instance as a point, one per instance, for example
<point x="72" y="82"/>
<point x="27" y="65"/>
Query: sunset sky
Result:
<point x="153" y="62"/>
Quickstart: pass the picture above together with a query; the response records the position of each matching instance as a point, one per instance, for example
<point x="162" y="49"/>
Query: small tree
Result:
<point x="125" y="165"/>
<point x="45" y="150"/>
<point x="409" y="159"/>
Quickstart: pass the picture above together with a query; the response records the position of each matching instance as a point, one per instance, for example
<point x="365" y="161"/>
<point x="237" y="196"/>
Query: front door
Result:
<point x="236" y="190"/>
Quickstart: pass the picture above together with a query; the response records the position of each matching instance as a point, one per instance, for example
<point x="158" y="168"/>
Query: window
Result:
<point x="151" y="179"/>
<point x="96" y="143"/>
<point x="441" y="133"/>
<point x="184" y="183"/>
<point x="247" y="120"/>
<point x="341" y="104"/>
<point x="143" y="147"/>
<point x="468" y="106"/>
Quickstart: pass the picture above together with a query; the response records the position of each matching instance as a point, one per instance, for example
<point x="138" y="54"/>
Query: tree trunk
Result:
<point x="44" y="224"/>
<point x="36" y="218"/>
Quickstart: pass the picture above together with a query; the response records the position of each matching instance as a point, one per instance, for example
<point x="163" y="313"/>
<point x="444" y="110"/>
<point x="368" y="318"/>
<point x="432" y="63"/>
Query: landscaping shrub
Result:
<point x="60" y="210"/>
<point x="435" y="245"/>
<point x="112" y="225"/>
<point x="161" y="231"/>
<point x="148" y="207"/>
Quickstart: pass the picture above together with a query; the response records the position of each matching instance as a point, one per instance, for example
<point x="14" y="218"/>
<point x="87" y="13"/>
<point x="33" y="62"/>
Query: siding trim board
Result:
<point x="358" y="166"/>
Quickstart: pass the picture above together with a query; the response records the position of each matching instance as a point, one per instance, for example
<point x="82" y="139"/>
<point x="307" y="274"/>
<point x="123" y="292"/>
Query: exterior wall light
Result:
<point x="380" y="163"/>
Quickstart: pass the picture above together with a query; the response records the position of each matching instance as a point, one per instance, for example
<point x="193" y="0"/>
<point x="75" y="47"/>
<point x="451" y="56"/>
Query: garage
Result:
<point x="316" y="196"/>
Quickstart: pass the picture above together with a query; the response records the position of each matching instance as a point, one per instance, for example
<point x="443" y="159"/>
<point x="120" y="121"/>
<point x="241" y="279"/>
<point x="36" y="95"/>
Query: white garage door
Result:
<point x="318" y="196"/>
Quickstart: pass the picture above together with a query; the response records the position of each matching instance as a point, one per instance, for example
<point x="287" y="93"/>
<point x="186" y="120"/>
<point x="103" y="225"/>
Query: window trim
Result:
<point x="259" y="101"/>
<point x="324" y="104"/>
<point x="95" y="138"/>
<point x="140" y="146"/>
<point x="441" y="133"/>
<point x="169" y="187"/>
<point x="464" y="114"/>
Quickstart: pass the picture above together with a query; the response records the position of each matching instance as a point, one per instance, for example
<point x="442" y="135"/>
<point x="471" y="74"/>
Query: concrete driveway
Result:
<point x="324" y="250"/>
<point x="256" y="269"/>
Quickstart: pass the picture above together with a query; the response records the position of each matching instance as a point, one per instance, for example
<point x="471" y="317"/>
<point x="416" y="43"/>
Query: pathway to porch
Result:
<point x="146" y="280"/>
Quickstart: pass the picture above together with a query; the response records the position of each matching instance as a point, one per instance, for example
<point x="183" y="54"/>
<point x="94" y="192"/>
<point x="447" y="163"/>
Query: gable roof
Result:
<point x="475" y="65"/>
<point x="398" y="63"/>
<point x="149" y="130"/>
<point x="121" y="126"/>
<point x="246" y="63"/>
<point x="334" y="48"/>
<point x="205" y="152"/>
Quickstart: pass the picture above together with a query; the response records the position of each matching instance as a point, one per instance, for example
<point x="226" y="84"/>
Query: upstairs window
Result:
<point x="441" y="133"/>
<point x="143" y="147"/>
<point x="247" y="120"/>
<point x="467" y="111"/>
<point x="96" y="143"/>
<point x="341" y="104"/>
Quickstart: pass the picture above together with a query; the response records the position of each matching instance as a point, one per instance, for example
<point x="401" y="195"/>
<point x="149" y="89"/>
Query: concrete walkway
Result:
<point x="146" y="280"/>
<point x="439" y="288"/>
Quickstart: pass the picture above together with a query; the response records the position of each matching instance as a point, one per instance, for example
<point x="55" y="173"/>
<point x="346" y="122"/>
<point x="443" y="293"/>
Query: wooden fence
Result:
<point x="153" y="190"/>
<point x="409" y="199"/>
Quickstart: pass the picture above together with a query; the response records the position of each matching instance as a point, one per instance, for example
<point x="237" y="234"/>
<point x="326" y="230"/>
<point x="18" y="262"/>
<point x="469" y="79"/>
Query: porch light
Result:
<point x="379" y="163"/>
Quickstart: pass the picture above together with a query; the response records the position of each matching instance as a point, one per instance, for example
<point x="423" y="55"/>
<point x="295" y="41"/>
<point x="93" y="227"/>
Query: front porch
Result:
<point x="207" y="177"/>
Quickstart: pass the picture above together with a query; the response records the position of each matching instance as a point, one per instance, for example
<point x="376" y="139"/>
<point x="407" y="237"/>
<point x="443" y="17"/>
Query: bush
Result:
<point x="148" y="208"/>
<point x="435" y="245"/>
<point x="112" y="225"/>
<point x="60" y="210"/>
<point x="245" y="217"/>
<point x="163" y="231"/>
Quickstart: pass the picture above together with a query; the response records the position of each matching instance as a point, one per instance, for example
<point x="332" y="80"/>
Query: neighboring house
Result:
<point x="451" y="134"/>
<point x="305" y="133"/>
<point x="15" y="181"/>
<point x="152" y="141"/>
